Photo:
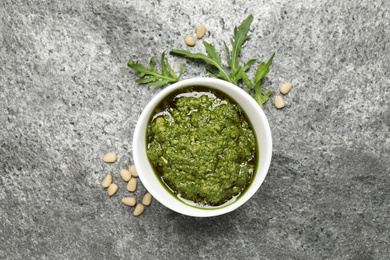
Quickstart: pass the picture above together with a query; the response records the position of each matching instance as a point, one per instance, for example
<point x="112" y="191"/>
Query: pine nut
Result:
<point x="138" y="210"/>
<point x="133" y="171"/>
<point x="125" y="174"/>
<point x="200" y="31"/>
<point x="189" y="40"/>
<point x="279" y="102"/>
<point x="112" y="189"/>
<point x="147" y="199"/>
<point x="285" y="87"/>
<point x="107" y="180"/>
<point x="109" y="157"/>
<point x="132" y="185"/>
<point x="129" y="201"/>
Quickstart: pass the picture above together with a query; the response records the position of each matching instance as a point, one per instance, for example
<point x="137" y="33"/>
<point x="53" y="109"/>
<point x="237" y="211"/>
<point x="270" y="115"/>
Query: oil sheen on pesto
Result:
<point x="202" y="146"/>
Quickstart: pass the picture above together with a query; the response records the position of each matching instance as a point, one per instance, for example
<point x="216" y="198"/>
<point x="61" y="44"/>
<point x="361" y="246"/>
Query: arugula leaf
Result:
<point x="247" y="81"/>
<point x="151" y="76"/>
<point x="240" y="74"/>
<point x="260" y="98"/>
<point x="261" y="72"/>
<point x="263" y="69"/>
<point x="212" y="59"/>
<point x="248" y="64"/>
<point x="239" y="38"/>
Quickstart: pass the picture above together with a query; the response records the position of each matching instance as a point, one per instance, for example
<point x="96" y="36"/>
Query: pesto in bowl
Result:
<point x="202" y="146"/>
<point x="246" y="107"/>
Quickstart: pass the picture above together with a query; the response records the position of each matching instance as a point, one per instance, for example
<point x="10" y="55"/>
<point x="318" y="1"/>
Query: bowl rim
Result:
<point x="139" y="144"/>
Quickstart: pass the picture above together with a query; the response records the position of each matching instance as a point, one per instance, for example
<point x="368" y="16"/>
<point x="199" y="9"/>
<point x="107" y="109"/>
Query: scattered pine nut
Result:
<point x="285" y="87"/>
<point x="112" y="189"/>
<point x="200" y="31"/>
<point x="189" y="40"/>
<point x="129" y="201"/>
<point x="279" y="102"/>
<point x="147" y="199"/>
<point x="125" y="174"/>
<point x="133" y="171"/>
<point x="107" y="180"/>
<point x="132" y="185"/>
<point x="109" y="157"/>
<point x="138" y="210"/>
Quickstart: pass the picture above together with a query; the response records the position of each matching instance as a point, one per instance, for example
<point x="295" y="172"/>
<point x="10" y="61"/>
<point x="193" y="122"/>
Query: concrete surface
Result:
<point x="67" y="97"/>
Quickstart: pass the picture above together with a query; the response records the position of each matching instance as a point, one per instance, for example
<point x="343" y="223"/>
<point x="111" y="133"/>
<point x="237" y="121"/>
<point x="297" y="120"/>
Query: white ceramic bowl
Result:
<point x="151" y="181"/>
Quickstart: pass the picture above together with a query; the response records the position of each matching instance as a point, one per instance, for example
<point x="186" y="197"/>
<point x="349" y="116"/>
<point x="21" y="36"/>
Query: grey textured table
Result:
<point x="67" y="97"/>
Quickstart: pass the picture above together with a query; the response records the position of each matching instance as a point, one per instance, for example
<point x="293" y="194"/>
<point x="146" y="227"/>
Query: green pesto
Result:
<point x="202" y="146"/>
